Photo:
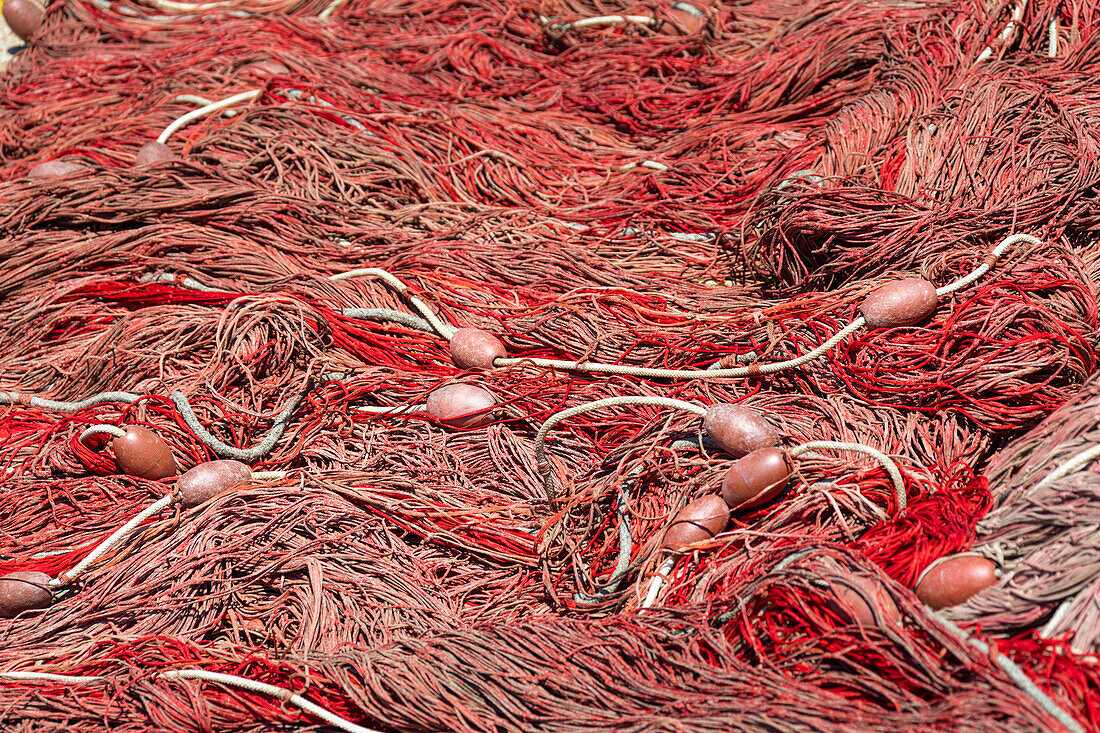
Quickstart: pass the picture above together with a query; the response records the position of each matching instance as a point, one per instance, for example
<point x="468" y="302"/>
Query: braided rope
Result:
<point x="443" y="329"/>
<point x="384" y="314"/>
<point x="622" y="563"/>
<point x="754" y="370"/>
<point x="17" y="398"/>
<point x="330" y="9"/>
<point x="882" y="458"/>
<point x="224" y="449"/>
<point x="297" y="94"/>
<point x="201" y="101"/>
<point x="101" y="430"/>
<point x="184" y="408"/>
<point x="1018" y="677"/>
<point x="365" y="314"/>
<point x="715" y="371"/>
<point x="987" y="265"/>
<point x="1008" y="31"/>
<point x="50" y="677"/>
<point x="105" y="546"/>
<point x="658" y="582"/>
<point x="269" y="475"/>
<point x="203" y="111"/>
<point x="397" y="410"/>
<point x="1081" y="459"/>
<point x="602" y="20"/>
<point x="188" y="282"/>
<point x="540" y="439"/>
<point x="263" y="688"/>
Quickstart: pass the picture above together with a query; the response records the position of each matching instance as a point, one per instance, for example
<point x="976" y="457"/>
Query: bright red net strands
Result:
<point x="477" y="366"/>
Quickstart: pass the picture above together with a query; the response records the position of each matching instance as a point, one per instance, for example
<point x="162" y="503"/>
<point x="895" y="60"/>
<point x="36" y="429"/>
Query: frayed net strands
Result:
<point x="792" y="334"/>
<point x="409" y="365"/>
<point x="1045" y="487"/>
<point x="494" y="669"/>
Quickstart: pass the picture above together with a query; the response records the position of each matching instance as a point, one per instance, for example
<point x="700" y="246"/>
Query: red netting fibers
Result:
<point x="555" y="365"/>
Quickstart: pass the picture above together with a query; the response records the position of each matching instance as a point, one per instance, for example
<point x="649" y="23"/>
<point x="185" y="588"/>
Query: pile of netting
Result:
<point x="465" y="289"/>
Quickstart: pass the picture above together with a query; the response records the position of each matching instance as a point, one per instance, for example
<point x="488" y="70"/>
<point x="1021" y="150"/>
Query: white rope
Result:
<point x="540" y="439"/>
<point x="626" y="546"/>
<point x="1077" y="461"/>
<point x="602" y="20"/>
<point x="385" y="314"/>
<point x="882" y="458"/>
<point x="1056" y="618"/>
<point x="714" y="372"/>
<point x="658" y="582"/>
<point x="332" y="8"/>
<point x="689" y="9"/>
<point x="650" y="164"/>
<point x="986" y="266"/>
<point x="192" y="99"/>
<point x="49" y="553"/>
<point x="1018" y="677"/>
<point x="398" y="410"/>
<point x="1052" y="38"/>
<point x="50" y="677"/>
<point x="105" y="546"/>
<point x="626" y="541"/>
<point x="188" y="282"/>
<point x="16" y="398"/>
<point x="268" y="475"/>
<point x="263" y="688"/>
<point x="709" y="373"/>
<point x="298" y="94"/>
<point x="369" y="314"/>
<point x="808" y="174"/>
<point x="201" y="101"/>
<point x="1009" y="29"/>
<point x="183" y="406"/>
<point x="100" y="430"/>
<point x="203" y="111"/>
<point x="443" y="329"/>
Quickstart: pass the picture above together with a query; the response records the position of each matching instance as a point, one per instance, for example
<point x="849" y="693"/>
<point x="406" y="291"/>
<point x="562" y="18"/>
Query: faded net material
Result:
<point x="671" y="189"/>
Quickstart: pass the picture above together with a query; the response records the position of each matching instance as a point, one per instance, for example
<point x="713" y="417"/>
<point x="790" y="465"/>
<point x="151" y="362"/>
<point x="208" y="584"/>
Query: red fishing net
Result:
<point x="872" y="226"/>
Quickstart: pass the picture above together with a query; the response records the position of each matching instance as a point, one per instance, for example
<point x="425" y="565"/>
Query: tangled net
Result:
<point x="656" y="208"/>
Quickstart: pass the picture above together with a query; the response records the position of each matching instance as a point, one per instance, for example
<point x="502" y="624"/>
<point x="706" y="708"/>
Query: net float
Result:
<point x="140" y="452"/>
<point x="698" y="521"/>
<point x="153" y="153"/>
<point x="206" y="480"/>
<point x="738" y="430"/>
<point x="473" y="348"/>
<point x="756" y="478"/>
<point x="196" y="486"/>
<point x="955" y="580"/>
<point x="686" y="19"/>
<point x="461" y="405"/>
<point x="54" y="169"/>
<point x="266" y="69"/>
<point x="854" y="602"/>
<point x="24" y="17"/>
<point x="901" y="303"/>
<point x="24" y="591"/>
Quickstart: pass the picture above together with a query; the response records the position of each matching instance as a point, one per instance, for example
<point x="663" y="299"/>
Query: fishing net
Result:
<point x="655" y="210"/>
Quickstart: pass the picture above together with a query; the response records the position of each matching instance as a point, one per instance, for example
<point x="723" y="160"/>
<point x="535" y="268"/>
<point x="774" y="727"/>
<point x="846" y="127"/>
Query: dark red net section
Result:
<point x="661" y="193"/>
